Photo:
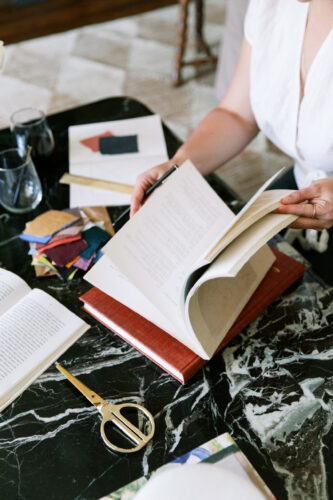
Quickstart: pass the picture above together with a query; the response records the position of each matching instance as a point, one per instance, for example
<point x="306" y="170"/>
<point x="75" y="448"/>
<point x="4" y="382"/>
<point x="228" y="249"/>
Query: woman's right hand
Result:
<point x="144" y="181"/>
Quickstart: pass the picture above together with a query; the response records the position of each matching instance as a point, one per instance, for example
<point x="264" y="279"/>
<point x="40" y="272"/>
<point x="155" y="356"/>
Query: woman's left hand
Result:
<point x="317" y="213"/>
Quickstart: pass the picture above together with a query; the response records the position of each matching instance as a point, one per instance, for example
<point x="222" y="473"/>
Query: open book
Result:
<point x="35" y="329"/>
<point x="187" y="263"/>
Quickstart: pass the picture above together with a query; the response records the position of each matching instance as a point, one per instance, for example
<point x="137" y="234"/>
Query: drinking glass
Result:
<point x="30" y="128"/>
<point x="20" y="187"/>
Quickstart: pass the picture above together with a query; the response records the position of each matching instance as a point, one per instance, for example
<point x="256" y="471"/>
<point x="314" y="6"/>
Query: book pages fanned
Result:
<point x="162" y="252"/>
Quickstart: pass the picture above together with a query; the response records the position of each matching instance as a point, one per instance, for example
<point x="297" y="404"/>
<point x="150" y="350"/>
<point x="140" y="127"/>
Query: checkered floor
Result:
<point x="132" y="56"/>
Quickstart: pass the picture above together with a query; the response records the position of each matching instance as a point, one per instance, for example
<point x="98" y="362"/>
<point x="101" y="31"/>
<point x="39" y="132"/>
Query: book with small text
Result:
<point x="35" y="329"/>
<point x="187" y="264"/>
<point x="163" y="349"/>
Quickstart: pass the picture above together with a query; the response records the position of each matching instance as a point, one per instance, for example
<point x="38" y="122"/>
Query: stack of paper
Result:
<point x="62" y="242"/>
<point x="116" y="151"/>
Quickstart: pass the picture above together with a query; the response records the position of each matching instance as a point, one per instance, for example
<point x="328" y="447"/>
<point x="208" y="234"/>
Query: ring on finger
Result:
<point x="314" y="213"/>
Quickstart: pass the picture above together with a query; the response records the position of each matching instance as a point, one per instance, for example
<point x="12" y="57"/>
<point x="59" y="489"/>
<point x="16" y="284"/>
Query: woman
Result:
<point x="283" y="86"/>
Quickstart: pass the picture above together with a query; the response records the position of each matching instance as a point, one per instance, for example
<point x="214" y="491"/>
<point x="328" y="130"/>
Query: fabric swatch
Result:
<point x="117" y="145"/>
<point x="93" y="142"/>
<point x="54" y="243"/>
<point x="95" y="237"/>
<point x="63" y="254"/>
<point x="46" y="224"/>
<point x="84" y="263"/>
<point x="96" y="214"/>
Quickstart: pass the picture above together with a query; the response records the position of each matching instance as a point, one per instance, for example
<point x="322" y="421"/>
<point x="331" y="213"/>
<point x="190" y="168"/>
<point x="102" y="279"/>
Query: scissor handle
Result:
<point x="112" y="413"/>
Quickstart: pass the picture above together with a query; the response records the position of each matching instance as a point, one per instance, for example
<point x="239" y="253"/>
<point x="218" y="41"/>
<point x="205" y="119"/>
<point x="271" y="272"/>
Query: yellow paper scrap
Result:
<point x="43" y="260"/>
<point x="71" y="276"/>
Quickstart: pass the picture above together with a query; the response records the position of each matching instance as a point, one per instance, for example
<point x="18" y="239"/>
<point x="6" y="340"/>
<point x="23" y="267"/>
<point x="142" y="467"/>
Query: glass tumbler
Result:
<point x="30" y="128"/>
<point x="20" y="187"/>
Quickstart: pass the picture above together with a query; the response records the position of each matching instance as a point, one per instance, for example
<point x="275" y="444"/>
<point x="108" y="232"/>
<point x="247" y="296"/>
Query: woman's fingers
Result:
<point x="313" y="205"/>
<point x="301" y="195"/>
<point x="143" y="182"/>
<point x="303" y="210"/>
<point x="137" y="196"/>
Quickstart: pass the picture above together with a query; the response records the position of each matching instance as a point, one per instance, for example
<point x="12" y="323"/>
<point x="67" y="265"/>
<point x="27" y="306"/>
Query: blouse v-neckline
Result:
<point x="314" y="62"/>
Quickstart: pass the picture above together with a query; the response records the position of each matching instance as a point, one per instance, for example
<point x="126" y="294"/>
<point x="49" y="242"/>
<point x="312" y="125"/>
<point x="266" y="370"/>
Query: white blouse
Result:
<point x="275" y="30"/>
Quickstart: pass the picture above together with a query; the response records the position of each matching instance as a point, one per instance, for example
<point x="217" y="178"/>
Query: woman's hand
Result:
<point x="144" y="181"/>
<point x="317" y="213"/>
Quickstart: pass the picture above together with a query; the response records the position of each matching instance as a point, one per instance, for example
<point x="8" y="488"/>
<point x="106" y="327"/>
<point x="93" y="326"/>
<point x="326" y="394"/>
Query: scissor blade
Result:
<point x="94" y="398"/>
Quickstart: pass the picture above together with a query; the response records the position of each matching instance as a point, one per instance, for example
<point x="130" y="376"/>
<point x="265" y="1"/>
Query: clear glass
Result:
<point x="20" y="187"/>
<point x="30" y="128"/>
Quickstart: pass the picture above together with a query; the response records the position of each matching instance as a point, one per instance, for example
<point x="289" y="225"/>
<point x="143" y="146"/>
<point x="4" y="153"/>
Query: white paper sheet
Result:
<point x="123" y="168"/>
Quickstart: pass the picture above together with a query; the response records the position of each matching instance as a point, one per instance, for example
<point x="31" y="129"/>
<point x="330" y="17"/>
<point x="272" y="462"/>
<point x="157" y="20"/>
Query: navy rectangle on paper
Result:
<point x="117" y="145"/>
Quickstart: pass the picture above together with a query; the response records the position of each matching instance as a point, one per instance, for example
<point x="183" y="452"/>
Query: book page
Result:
<point x="159" y="246"/>
<point x="266" y="202"/>
<point x="122" y="290"/>
<point x="232" y="259"/>
<point x="12" y="289"/>
<point x="215" y="302"/>
<point x="33" y="333"/>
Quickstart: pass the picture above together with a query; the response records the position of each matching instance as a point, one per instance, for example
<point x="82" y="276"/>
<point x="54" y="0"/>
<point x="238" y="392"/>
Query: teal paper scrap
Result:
<point x="95" y="237"/>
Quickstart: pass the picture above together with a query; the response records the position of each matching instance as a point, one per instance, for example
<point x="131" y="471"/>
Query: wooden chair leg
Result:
<point x="201" y="44"/>
<point x="198" y="24"/>
<point x="181" y="41"/>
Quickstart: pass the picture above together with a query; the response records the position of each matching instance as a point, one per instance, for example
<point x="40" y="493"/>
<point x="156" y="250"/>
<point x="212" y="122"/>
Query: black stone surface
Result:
<point x="271" y="387"/>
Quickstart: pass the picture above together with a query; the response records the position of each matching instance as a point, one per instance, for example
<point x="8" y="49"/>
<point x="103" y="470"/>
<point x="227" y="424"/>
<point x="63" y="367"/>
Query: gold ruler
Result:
<point x="96" y="183"/>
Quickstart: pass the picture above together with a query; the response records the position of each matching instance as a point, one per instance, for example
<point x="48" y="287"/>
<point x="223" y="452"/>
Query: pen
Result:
<point x="148" y="192"/>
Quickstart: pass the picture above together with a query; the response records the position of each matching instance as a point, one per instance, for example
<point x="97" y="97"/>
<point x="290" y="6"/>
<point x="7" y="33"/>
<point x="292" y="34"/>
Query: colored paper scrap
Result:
<point x="66" y="272"/>
<point x="32" y="249"/>
<point x="72" y="262"/>
<point x="54" y="243"/>
<point x="45" y="262"/>
<point x="46" y="224"/>
<point x="71" y="276"/>
<point x="99" y="214"/>
<point x="84" y="263"/>
<point x="73" y="211"/>
<point x="95" y="237"/>
<point x="68" y="232"/>
<point x="93" y="142"/>
<point x="118" y="145"/>
<point x="99" y="254"/>
<point x="63" y="254"/>
<point x="42" y="271"/>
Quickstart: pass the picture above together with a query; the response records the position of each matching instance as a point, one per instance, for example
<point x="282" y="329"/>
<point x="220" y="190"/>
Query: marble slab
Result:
<point x="271" y="388"/>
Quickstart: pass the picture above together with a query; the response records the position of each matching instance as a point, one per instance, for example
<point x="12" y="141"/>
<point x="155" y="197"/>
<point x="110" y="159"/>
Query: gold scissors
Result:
<point x="112" y="413"/>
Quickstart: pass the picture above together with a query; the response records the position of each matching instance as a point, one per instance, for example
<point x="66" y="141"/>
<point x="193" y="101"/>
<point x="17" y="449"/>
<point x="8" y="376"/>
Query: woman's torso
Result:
<point x="301" y="126"/>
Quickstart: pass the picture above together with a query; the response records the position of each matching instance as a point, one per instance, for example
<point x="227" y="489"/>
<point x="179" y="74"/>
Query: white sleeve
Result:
<point x="251" y="20"/>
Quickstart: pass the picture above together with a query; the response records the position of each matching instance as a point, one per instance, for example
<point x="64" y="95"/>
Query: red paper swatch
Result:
<point x="93" y="142"/>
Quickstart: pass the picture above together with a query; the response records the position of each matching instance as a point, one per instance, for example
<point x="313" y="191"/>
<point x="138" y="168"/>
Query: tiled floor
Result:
<point x="131" y="56"/>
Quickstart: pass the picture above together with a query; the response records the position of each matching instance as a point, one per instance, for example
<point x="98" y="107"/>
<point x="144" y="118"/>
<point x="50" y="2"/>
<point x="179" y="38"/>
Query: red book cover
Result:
<point x="164" y="350"/>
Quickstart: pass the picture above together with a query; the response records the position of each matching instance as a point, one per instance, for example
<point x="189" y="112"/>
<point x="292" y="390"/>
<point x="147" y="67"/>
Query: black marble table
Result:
<point x="271" y="388"/>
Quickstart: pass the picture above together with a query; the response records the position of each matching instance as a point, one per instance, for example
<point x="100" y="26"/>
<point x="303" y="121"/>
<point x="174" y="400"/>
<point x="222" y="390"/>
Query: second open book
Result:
<point x="187" y="263"/>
